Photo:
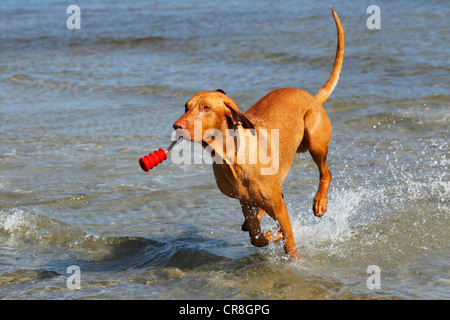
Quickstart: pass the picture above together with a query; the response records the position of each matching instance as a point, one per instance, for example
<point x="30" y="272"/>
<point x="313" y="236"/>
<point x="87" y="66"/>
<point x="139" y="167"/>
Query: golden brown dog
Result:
<point x="291" y="118"/>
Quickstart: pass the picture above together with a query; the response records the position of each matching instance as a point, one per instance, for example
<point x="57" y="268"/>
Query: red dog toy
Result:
<point x="153" y="159"/>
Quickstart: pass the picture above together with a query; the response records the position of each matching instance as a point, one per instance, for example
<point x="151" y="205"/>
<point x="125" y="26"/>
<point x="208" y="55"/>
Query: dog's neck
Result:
<point x="228" y="172"/>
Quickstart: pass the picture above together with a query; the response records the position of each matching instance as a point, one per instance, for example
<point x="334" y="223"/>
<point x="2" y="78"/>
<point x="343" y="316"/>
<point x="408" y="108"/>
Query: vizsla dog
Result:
<point x="301" y="125"/>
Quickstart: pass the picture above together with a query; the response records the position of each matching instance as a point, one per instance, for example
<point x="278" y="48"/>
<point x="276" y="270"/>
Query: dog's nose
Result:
<point x="179" y="125"/>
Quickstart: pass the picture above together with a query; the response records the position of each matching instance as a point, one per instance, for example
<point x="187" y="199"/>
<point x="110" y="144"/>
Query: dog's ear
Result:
<point x="220" y="90"/>
<point x="236" y="116"/>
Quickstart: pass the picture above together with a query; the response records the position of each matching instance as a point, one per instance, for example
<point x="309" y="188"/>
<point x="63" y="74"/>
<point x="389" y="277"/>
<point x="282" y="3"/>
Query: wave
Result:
<point x="60" y="86"/>
<point x="127" y="42"/>
<point x="97" y="252"/>
<point x="37" y="228"/>
<point x="157" y="89"/>
<point x="51" y="84"/>
<point x="96" y="43"/>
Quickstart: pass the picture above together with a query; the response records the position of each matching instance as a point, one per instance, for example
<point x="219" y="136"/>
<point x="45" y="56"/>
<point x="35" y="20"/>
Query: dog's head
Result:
<point x="214" y="110"/>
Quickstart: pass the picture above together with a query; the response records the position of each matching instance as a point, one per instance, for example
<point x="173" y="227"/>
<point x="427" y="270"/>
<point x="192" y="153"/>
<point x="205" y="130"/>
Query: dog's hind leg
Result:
<point x="318" y="134"/>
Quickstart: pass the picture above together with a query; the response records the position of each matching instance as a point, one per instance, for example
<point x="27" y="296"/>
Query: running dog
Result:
<point x="302" y="125"/>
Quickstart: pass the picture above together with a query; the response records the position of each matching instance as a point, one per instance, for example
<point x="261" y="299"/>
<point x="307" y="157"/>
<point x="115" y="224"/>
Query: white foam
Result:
<point x="334" y="225"/>
<point x="14" y="219"/>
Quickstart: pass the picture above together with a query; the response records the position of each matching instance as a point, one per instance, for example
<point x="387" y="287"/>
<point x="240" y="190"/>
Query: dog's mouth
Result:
<point x="182" y="134"/>
<point x="209" y="137"/>
<point x="179" y="139"/>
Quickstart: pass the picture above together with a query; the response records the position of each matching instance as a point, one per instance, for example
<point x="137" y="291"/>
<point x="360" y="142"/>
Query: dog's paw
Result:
<point x="259" y="240"/>
<point x="269" y="235"/>
<point x="320" y="206"/>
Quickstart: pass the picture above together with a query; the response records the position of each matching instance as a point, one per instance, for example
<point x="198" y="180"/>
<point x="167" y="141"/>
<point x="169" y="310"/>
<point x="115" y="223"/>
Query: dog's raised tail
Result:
<point x="325" y="92"/>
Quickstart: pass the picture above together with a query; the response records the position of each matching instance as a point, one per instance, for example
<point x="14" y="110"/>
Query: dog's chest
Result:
<point x="230" y="181"/>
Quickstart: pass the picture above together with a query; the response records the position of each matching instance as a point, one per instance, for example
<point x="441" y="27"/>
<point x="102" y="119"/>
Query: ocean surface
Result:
<point x="79" y="107"/>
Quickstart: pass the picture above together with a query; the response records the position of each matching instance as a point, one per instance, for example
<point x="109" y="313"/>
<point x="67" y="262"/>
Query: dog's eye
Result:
<point x="206" y="108"/>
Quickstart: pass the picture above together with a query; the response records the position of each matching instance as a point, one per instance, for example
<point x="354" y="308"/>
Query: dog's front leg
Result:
<point x="279" y="212"/>
<point x="252" y="224"/>
<point x="260" y="215"/>
<point x="269" y="234"/>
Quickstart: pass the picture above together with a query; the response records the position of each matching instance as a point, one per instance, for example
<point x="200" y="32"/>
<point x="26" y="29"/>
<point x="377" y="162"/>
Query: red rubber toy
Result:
<point x="153" y="159"/>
